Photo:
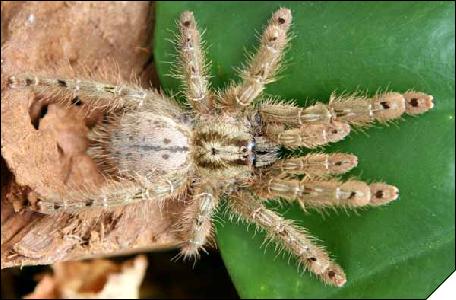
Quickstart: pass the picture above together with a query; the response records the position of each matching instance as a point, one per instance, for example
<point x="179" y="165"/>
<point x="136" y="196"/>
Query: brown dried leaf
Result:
<point x="97" y="279"/>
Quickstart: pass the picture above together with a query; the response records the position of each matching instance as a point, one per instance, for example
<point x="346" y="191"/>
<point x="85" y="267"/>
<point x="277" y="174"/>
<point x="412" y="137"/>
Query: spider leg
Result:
<point x="264" y="63"/>
<point x="75" y="91"/>
<point x="194" y="68"/>
<point x="112" y="194"/>
<point x="197" y="223"/>
<point x="293" y="239"/>
<point x="310" y="136"/>
<point x="352" y="109"/>
<point x="325" y="193"/>
<point x="315" y="164"/>
<point x="383" y="107"/>
<point x="292" y="115"/>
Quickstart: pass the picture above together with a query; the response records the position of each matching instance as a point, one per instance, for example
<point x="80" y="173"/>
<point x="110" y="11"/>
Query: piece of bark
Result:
<point x="96" y="279"/>
<point x="38" y="37"/>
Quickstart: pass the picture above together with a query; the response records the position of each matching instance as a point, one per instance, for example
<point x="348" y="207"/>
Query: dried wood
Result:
<point x="36" y="37"/>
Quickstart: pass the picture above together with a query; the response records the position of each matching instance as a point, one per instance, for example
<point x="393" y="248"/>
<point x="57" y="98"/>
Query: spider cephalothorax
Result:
<point x="225" y="147"/>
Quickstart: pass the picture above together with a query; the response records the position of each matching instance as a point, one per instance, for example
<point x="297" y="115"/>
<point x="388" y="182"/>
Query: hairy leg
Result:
<point x="293" y="239"/>
<point x="193" y="71"/>
<point x="74" y="91"/>
<point x="351" y="109"/>
<point x="310" y="136"/>
<point x="328" y="193"/>
<point x="316" y="164"/>
<point x="112" y="194"/>
<point x="264" y="63"/>
<point x="197" y="223"/>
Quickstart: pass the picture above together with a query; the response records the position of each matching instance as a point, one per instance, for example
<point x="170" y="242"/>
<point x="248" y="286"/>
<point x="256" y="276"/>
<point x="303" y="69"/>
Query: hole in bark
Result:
<point x="59" y="149"/>
<point x="36" y="121"/>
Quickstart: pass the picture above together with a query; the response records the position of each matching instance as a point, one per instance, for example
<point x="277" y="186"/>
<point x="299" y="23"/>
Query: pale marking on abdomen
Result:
<point x="172" y="149"/>
<point x="148" y="142"/>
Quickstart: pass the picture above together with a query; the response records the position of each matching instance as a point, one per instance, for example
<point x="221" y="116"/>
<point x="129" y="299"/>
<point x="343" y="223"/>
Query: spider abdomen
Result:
<point x="144" y="143"/>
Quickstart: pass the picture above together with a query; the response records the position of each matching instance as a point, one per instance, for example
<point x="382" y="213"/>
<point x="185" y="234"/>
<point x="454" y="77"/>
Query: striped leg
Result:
<point x="112" y="194"/>
<point x="310" y="136"/>
<point x="197" y="223"/>
<point x="319" y="193"/>
<point x="74" y="91"/>
<point x="193" y="70"/>
<point x="319" y="164"/>
<point x="264" y="63"/>
<point x="293" y="239"/>
<point x="351" y="109"/>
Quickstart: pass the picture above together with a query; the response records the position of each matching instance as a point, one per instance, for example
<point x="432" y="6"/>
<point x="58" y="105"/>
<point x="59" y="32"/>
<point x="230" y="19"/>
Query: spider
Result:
<point x="225" y="147"/>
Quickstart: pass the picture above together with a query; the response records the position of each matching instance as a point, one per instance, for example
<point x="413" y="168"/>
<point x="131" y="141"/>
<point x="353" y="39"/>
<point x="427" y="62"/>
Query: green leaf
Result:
<point x="405" y="249"/>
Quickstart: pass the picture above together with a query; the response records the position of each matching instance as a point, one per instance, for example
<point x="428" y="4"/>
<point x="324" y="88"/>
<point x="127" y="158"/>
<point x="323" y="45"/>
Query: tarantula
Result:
<point x="225" y="146"/>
